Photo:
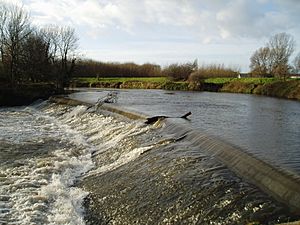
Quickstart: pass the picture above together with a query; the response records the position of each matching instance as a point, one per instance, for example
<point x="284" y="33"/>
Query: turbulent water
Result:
<point x="71" y="165"/>
<point x="41" y="159"/>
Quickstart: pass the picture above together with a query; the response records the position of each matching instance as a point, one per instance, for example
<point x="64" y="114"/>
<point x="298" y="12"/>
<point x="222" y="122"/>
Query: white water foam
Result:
<point x="123" y="159"/>
<point x="40" y="190"/>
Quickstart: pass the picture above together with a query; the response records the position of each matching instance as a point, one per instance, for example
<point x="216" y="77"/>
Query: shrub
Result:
<point x="211" y="71"/>
<point x="178" y="72"/>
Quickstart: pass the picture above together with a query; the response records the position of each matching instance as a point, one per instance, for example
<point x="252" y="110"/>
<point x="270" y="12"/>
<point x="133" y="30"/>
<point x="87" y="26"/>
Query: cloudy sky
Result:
<point x="168" y="31"/>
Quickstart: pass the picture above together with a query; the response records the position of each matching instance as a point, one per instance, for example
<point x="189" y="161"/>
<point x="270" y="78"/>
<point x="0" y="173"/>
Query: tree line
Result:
<point x="175" y="71"/>
<point x="34" y="54"/>
<point x="92" y="68"/>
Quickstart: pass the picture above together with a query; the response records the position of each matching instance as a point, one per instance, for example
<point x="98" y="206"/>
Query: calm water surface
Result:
<point x="267" y="127"/>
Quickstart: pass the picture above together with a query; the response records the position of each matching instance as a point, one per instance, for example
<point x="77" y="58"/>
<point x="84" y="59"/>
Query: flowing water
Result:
<point x="70" y="165"/>
<point x="41" y="159"/>
<point x="264" y="126"/>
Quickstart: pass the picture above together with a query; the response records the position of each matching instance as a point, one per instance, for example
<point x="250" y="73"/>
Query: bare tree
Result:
<point x="273" y="60"/>
<point x="281" y="46"/>
<point x="3" y="16"/>
<point x="16" y="30"/>
<point x="67" y="45"/>
<point x="51" y="37"/>
<point x="35" y="58"/>
<point x="260" y="62"/>
<point x="62" y="44"/>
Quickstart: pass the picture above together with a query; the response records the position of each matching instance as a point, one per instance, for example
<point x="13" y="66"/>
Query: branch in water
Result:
<point x="156" y="118"/>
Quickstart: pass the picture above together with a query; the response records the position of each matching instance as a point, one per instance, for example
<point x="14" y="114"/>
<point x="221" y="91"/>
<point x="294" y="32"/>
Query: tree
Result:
<point x="3" y="16"/>
<point x="260" y="62"/>
<point x="16" y="29"/>
<point x="281" y="46"/>
<point x="50" y="35"/>
<point x="36" y="64"/>
<point x="62" y="44"/>
<point x="273" y="59"/>
<point x="67" y="45"/>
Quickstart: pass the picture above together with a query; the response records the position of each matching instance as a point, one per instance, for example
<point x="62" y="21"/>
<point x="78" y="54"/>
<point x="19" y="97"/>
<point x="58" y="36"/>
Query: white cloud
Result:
<point x="211" y="19"/>
<point x="203" y="22"/>
<point x="179" y="13"/>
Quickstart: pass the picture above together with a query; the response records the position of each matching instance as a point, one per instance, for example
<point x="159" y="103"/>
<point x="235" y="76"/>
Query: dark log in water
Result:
<point x="156" y="118"/>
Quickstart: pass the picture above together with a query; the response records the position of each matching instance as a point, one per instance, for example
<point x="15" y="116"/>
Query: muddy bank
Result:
<point x="26" y="94"/>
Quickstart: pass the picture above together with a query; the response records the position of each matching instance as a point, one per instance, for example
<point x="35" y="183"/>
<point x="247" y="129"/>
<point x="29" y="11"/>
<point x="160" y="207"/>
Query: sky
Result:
<point x="170" y="31"/>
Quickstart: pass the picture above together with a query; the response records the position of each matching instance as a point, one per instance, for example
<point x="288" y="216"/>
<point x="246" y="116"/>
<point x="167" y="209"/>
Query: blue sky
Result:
<point x="168" y="31"/>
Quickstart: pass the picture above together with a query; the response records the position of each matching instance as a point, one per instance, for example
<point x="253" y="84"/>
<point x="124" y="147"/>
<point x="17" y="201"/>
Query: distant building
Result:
<point x="243" y="75"/>
<point x="295" y="76"/>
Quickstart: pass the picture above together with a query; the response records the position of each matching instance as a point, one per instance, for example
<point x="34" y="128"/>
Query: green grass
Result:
<point x="166" y="79"/>
<point x="122" y="79"/>
<point x="244" y="80"/>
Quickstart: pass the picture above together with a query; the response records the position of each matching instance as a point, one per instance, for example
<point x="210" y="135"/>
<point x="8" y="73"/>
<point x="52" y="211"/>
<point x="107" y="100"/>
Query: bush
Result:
<point x="210" y="71"/>
<point x="178" y="72"/>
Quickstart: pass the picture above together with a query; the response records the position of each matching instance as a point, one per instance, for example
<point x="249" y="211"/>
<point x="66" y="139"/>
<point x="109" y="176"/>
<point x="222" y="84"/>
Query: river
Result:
<point x="65" y="164"/>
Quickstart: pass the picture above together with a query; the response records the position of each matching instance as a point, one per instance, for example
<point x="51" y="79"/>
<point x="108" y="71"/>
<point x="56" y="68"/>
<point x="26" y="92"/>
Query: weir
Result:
<point x="281" y="184"/>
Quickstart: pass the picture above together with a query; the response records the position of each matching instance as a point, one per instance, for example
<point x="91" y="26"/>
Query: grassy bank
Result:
<point x="261" y="86"/>
<point x="120" y="79"/>
<point x="130" y="83"/>
<point x="242" y="80"/>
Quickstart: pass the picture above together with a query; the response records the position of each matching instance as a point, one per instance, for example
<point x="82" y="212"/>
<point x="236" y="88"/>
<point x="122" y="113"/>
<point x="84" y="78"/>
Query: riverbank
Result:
<point x="261" y="86"/>
<point x="281" y="89"/>
<point x="25" y="94"/>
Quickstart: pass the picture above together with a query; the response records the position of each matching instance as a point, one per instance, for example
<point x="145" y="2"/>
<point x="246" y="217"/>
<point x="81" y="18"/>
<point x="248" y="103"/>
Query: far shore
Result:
<point x="289" y="89"/>
<point x="28" y="93"/>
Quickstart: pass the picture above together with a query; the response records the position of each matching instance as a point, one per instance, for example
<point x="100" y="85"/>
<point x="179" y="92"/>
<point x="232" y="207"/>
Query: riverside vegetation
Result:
<point x="35" y="62"/>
